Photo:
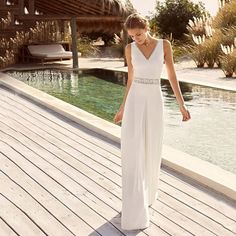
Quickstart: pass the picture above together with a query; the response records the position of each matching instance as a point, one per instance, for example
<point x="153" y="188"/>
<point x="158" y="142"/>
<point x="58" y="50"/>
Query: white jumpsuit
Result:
<point x="141" y="138"/>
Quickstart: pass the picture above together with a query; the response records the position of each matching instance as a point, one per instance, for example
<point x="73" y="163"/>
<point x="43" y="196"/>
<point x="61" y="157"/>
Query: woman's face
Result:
<point x="138" y="35"/>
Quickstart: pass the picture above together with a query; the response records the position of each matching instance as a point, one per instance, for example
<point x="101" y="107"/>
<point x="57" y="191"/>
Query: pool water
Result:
<point x="209" y="135"/>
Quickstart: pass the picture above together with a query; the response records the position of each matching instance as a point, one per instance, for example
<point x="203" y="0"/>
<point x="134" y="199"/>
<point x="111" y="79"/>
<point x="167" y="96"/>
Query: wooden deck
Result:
<point x="59" y="178"/>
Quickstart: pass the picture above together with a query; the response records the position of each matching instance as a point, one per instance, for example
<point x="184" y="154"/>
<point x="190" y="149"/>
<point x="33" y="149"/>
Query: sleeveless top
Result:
<point x="147" y="70"/>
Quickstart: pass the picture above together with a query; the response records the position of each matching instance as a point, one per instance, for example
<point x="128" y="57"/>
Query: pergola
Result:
<point x="84" y="15"/>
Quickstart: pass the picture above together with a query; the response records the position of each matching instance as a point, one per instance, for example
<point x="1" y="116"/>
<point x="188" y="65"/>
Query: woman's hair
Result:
<point x="134" y="21"/>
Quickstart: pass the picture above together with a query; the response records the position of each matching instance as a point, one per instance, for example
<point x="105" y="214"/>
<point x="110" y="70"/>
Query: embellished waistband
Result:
<point x="146" y="80"/>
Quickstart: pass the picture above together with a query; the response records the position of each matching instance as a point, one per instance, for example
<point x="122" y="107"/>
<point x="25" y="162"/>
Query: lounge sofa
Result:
<point x="46" y="52"/>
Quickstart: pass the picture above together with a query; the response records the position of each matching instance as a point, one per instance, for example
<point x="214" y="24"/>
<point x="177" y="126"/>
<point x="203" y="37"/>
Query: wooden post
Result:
<point x="2" y="2"/>
<point x="31" y="7"/>
<point x="21" y="4"/>
<point x="62" y="30"/>
<point x="74" y="42"/>
<point x="125" y="42"/>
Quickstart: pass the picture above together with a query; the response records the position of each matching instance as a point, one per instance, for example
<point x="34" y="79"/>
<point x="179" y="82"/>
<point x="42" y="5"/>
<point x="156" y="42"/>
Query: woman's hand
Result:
<point x="185" y="113"/>
<point x="118" y="117"/>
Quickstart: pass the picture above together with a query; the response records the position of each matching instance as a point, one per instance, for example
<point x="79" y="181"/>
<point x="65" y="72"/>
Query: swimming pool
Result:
<point x="209" y="135"/>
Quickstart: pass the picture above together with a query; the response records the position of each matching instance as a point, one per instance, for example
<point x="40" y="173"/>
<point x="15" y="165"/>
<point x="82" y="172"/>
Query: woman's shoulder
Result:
<point x="129" y="45"/>
<point x="128" y="50"/>
<point x="166" y="42"/>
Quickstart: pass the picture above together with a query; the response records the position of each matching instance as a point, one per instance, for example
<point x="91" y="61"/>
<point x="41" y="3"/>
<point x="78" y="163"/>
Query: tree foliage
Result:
<point x="172" y="16"/>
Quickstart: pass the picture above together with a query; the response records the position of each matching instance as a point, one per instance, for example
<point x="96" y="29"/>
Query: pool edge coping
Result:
<point x="186" y="164"/>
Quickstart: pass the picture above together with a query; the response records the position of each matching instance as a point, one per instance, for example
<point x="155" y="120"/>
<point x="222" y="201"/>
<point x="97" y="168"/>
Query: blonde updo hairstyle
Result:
<point x="135" y="21"/>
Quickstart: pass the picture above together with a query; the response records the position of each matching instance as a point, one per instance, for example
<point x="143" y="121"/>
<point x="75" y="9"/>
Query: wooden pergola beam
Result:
<point x="51" y="8"/>
<point x="71" y="7"/>
<point x="65" y="17"/>
<point x="14" y="9"/>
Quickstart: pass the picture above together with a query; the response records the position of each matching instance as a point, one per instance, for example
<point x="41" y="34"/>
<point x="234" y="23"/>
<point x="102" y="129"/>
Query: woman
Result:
<point x="141" y="113"/>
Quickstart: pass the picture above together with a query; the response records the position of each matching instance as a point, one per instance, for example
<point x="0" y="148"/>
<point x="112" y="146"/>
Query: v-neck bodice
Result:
<point x="152" y="52"/>
<point x="147" y="67"/>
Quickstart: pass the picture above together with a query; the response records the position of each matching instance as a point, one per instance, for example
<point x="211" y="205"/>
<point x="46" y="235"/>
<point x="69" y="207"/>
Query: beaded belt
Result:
<point x="146" y="81"/>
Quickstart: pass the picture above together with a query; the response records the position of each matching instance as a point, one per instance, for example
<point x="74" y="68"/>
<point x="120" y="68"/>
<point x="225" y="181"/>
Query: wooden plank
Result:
<point x="225" y="224"/>
<point x="4" y="138"/>
<point x="180" y="219"/>
<point x="170" y="213"/>
<point x="71" y="157"/>
<point x="184" y="219"/>
<point x="203" y="221"/>
<point x="90" y="193"/>
<point x="13" y="115"/>
<point x="38" y="214"/>
<point x="6" y="229"/>
<point x="70" y="211"/>
<point x="94" y="152"/>
<point x="81" y="133"/>
<point x="15" y="216"/>
<point x="201" y="193"/>
<point x="164" y="221"/>
<point x="85" y="174"/>
<point x="61" y="147"/>
<point x="153" y="230"/>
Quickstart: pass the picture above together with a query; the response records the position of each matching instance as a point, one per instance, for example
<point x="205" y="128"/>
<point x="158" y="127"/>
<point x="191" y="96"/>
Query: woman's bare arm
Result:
<point x="168" y="56"/>
<point x="130" y="72"/>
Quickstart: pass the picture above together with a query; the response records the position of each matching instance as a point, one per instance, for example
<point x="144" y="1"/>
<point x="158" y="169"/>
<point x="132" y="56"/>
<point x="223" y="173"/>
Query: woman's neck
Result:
<point x="148" y="40"/>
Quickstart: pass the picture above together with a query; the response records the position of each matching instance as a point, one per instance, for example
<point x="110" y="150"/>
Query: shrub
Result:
<point x="228" y="35"/>
<point x="172" y="16"/>
<point x="228" y="60"/>
<point x="226" y="16"/>
<point x="212" y="49"/>
<point x="224" y="32"/>
<point x="196" y="51"/>
<point x="86" y="47"/>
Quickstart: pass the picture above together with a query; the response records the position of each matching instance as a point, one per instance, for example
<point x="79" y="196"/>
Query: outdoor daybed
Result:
<point x="46" y="52"/>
